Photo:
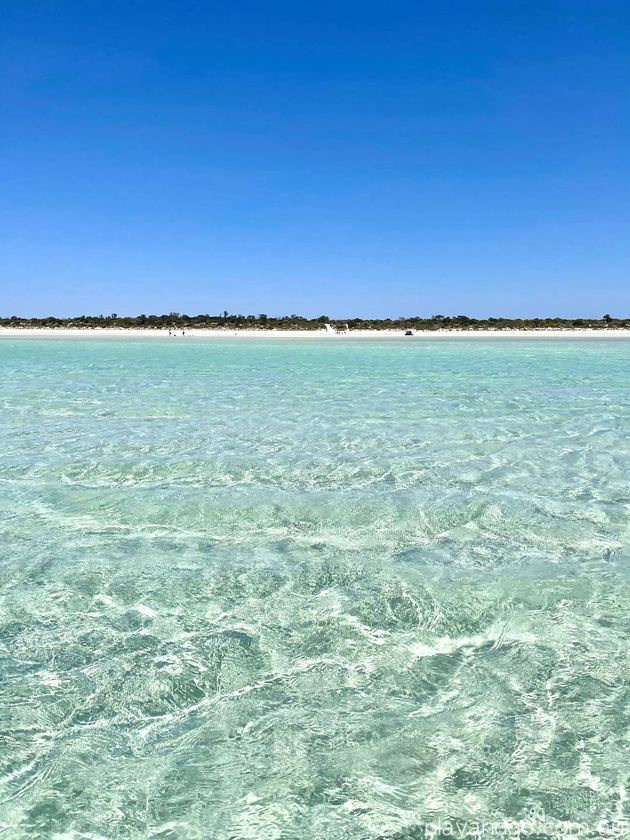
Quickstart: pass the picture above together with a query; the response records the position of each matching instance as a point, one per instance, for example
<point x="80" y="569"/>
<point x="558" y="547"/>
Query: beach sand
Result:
<point x="69" y="332"/>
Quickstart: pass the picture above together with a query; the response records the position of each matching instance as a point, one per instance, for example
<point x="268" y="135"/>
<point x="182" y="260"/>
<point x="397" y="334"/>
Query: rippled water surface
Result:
<point x="312" y="590"/>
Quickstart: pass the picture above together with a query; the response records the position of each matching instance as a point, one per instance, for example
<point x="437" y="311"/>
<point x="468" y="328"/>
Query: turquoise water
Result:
<point x="312" y="589"/>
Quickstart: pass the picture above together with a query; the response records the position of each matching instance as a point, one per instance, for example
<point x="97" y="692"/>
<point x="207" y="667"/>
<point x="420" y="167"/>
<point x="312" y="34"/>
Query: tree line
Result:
<point x="225" y="320"/>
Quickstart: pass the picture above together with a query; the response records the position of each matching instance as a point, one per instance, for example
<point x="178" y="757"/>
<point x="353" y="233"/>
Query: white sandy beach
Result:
<point x="69" y="332"/>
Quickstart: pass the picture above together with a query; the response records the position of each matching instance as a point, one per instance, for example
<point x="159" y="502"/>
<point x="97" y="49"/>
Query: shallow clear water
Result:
<point x="312" y="589"/>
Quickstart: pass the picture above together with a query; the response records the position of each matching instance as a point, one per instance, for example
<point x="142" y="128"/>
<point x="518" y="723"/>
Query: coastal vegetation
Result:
<point x="225" y="320"/>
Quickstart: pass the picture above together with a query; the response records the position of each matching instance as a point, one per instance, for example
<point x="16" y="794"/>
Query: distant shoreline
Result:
<point x="133" y="332"/>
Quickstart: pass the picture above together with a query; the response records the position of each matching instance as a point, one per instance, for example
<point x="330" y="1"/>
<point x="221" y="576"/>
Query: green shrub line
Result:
<point x="175" y="321"/>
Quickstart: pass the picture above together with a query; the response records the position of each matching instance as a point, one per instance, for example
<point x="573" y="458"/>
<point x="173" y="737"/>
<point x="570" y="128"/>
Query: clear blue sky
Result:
<point x="371" y="159"/>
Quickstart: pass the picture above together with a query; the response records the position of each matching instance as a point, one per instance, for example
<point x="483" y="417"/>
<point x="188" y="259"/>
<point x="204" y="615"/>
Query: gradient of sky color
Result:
<point x="370" y="159"/>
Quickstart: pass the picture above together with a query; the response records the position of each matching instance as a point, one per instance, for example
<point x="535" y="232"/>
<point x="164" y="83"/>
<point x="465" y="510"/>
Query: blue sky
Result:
<point x="354" y="159"/>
